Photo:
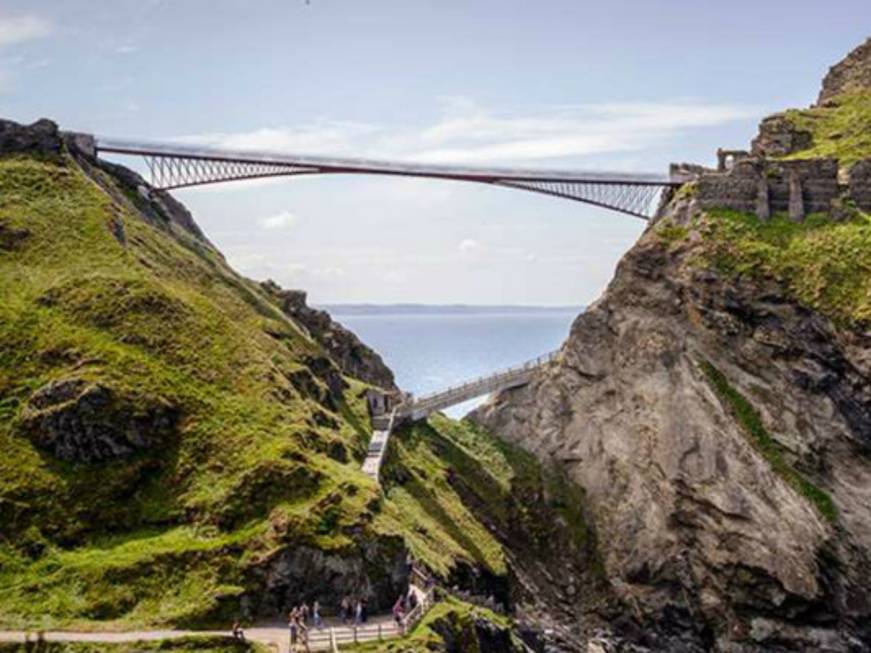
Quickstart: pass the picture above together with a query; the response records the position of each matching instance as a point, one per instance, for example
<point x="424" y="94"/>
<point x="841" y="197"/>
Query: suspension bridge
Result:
<point x="172" y="166"/>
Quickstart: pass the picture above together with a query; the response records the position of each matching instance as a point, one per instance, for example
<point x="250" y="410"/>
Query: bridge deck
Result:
<point x="376" y="166"/>
<point x="420" y="408"/>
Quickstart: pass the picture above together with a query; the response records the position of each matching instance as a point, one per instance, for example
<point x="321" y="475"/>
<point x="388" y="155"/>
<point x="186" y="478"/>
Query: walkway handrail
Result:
<point x="510" y="372"/>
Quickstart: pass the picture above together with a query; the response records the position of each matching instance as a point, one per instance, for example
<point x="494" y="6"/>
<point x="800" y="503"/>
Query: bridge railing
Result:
<point x="424" y="401"/>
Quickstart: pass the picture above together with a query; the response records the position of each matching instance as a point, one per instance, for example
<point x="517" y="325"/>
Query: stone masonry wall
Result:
<point x="762" y="186"/>
<point x="859" y="187"/>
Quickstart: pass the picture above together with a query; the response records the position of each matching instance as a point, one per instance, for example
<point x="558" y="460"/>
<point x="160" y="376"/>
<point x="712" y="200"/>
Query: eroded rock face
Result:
<point x="348" y="352"/>
<point x="39" y="138"/>
<point x="695" y="527"/>
<point x="778" y="136"/>
<point x="87" y="422"/>
<point x="474" y="634"/>
<point x="853" y="73"/>
<point x="375" y="570"/>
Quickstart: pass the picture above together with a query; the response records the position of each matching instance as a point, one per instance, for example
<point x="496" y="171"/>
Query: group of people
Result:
<point x="354" y="611"/>
<point x="298" y="623"/>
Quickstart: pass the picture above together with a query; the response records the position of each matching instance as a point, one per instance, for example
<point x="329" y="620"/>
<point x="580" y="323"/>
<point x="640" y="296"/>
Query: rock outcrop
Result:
<point x="850" y="74"/>
<point x="351" y="355"/>
<point x="85" y="422"/>
<point x="778" y="136"/>
<point x="40" y="138"/>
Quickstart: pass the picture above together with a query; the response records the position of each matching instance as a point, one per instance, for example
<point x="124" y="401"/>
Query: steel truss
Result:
<point x="173" y="166"/>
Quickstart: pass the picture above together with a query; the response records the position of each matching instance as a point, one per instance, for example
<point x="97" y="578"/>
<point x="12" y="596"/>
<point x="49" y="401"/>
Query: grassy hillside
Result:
<point x="841" y="129"/>
<point x="154" y="320"/>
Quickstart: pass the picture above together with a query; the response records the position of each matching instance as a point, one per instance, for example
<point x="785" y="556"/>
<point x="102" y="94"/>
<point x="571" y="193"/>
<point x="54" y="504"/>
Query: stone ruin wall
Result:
<point x="798" y="187"/>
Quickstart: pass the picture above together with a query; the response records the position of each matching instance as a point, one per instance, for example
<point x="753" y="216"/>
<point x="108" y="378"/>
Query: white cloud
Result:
<point x="277" y="221"/>
<point x="126" y="49"/>
<point x="469" y="133"/>
<point x="26" y="27"/>
<point x="468" y="245"/>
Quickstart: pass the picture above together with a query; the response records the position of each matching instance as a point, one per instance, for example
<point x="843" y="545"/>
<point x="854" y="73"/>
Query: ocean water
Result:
<point x="432" y="348"/>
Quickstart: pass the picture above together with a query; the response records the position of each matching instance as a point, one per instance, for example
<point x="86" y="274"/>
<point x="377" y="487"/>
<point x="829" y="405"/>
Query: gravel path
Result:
<point x="274" y="635"/>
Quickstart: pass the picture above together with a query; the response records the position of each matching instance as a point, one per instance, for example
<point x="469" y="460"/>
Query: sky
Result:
<point x="621" y="85"/>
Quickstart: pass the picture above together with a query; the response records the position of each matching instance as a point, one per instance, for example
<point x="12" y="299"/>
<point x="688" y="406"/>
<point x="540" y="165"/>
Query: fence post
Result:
<point x="380" y="638"/>
<point x="355" y="633"/>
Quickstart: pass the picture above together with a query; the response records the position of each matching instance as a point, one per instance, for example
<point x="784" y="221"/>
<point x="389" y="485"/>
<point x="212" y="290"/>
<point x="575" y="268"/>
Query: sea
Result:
<point x="430" y="348"/>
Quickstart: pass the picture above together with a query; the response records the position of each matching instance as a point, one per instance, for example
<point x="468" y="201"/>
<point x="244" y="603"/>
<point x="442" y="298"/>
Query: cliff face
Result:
<point x="853" y="73"/>
<point x="715" y="407"/>
<point x="352" y="355"/>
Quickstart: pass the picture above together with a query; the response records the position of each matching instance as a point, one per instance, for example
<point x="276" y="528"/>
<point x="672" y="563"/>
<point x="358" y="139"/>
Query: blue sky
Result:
<point x="617" y="85"/>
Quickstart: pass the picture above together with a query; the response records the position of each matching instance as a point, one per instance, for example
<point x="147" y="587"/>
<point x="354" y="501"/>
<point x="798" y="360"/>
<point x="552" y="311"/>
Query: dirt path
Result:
<point x="274" y="634"/>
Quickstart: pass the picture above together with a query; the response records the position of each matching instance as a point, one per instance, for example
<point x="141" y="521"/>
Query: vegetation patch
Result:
<point x="204" y="644"/>
<point x="751" y="423"/>
<point x="449" y="614"/>
<point x="841" y="129"/>
<point x="460" y="486"/>
<point x="825" y="265"/>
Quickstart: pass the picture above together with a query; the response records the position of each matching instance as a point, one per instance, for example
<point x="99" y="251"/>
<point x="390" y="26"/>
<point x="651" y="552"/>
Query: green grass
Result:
<point x="456" y="482"/>
<point x="204" y="644"/>
<point x="459" y="616"/>
<point x="671" y="233"/>
<point x="842" y="131"/>
<point x="751" y="423"/>
<point x="825" y="265"/>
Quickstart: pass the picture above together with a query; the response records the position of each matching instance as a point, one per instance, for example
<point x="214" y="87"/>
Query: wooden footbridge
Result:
<point x="412" y="409"/>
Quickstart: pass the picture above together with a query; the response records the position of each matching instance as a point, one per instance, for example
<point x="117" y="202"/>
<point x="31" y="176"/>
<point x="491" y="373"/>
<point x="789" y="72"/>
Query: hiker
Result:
<point x="364" y="610"/>
<point x="399" y="614"/>
<point x="237" y="631"/>
<point x="303" y="614"/>
<point x="293" y="627"/>
<point x="316" y="615"/>
<point x="358" y="612"/>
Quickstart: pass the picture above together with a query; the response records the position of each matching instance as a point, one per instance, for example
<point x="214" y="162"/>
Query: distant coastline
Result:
<point x="445" y="309"/>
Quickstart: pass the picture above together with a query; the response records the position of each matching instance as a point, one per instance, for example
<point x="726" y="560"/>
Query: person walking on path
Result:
<point x="345" y="609"/>
<point x="316" y="615"/>
<point x="293" y="627"/>
<point x="238" y="633"/>
<point x="358" y="613"/>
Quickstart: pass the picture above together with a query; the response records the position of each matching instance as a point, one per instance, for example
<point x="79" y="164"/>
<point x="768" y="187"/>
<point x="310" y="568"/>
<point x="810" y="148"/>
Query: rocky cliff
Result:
<point x="851" y="74"/>
<point x="352" y="355"/>
<point x="715" y="407"/>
